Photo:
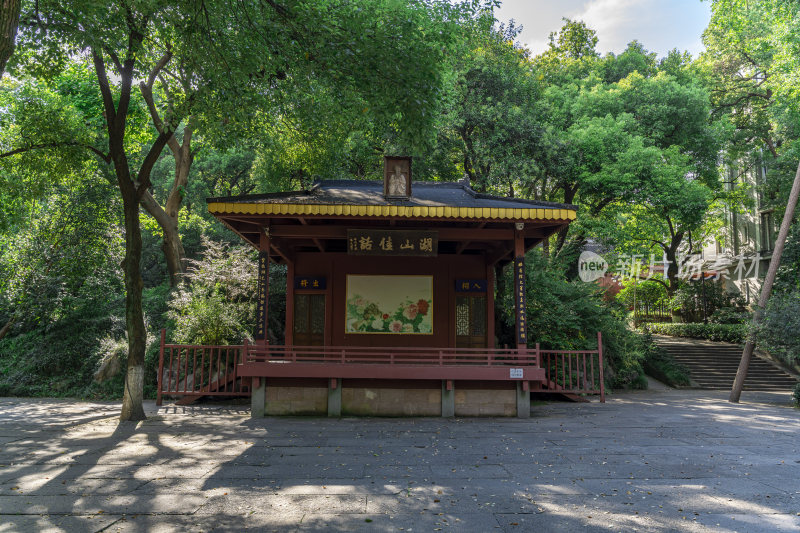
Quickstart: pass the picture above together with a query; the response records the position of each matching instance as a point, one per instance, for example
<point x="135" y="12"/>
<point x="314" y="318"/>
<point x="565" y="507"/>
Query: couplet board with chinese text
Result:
<point x="519" y="301"/>
<point x="261" y="305"/>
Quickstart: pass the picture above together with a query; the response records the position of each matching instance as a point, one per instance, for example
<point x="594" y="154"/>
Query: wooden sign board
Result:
<point x="392" y="242"/>
<point x="261" y="304"/>
<point x="471" y="285"/>
<point x="519" y="301"/>
<point x="310" y="283"/>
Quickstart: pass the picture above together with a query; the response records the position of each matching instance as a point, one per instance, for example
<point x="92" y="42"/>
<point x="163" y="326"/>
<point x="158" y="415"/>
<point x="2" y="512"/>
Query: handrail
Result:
<point x="193" y="370"/>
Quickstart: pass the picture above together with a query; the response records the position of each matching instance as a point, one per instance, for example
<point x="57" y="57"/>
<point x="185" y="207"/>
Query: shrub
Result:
<point x="217" y="304"/>
<point x="777" y="332"/>
<point x="696" y="300"/>
<point x="662" y="366"/>
<point x="568" y="314"/>
<point x="734" y="333"/>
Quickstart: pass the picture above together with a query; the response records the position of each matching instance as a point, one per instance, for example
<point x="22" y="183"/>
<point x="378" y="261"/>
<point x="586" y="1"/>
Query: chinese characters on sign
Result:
<point x="310" y="283"/>
<point x="519" y="301"/>
<point x="471" y="285"/>
<point x="391" y="242"/>
<point x="261" y="305"/>
<point x="689" y="268"/>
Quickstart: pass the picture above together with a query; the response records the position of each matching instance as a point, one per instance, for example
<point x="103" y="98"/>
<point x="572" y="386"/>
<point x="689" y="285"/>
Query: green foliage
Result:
<point x="216" y="305"/>
<point x="641" y="292"/>
<point x="721" y="306"/>
<point x="733" y="333"/>
<point x="567" y="315"/>
<point x="777" y="331"/>
<point x="60" y="360"/>
<point x="67" y="255"/>
<point x="662" y="366"/>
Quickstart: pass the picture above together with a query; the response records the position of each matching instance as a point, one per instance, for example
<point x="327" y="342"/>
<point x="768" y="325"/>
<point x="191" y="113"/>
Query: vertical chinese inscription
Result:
<point x="519" y="301"/>
<point x="261" y="305"/>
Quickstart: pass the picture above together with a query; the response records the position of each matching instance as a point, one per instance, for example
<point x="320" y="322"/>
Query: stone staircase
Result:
<point x="713" y="365"/>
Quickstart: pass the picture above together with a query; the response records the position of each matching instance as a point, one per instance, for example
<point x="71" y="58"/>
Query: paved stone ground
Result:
<point x="649" y="461"/>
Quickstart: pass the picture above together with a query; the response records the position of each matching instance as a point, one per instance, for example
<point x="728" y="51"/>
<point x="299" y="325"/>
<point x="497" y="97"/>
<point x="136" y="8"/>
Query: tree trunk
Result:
<point x="167" y="216"/>
<point x="9" y="20"/>
<point x="132" y="408"/>
<point x="172" y="246"/>
<point x="766" y="288"/>
<point x="7" y="327"/>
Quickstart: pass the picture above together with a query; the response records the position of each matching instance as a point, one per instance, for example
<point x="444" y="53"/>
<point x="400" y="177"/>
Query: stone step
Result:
<point x="714" y="366"/>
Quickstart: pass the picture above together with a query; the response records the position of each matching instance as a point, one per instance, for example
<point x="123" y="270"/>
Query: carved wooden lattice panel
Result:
<point x="462" y="315"/>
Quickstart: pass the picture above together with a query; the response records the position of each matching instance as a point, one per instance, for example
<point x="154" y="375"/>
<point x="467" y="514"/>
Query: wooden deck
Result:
<point x="193" y="371"/>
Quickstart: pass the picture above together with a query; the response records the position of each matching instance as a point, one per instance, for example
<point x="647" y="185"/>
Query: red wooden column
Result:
<point x="289" y="335"/>
<point x="262" y="306"/>
<point x="490" y="325"/>
<point x="519" y="286"/>
<point x="523" y="387"/>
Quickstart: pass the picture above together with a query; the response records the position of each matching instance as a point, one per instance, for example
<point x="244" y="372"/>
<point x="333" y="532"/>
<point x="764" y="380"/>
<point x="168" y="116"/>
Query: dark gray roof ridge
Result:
<point x="320" y="185"/>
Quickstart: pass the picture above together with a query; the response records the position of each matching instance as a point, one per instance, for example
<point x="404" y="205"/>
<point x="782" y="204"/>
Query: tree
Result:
<point x="492" y="127"/>
<point x="762" y="38"/>
<point x="229" y="52"/>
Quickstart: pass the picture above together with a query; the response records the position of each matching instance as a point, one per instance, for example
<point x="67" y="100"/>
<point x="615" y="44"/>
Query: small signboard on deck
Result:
<point x="392" y="242"/>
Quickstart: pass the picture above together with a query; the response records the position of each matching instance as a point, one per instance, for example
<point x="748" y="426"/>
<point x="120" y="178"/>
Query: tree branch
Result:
<point x="105" y="157"/>
<point x="143" y="177"/>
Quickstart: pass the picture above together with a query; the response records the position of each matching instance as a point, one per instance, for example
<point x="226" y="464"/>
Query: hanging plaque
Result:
<point x="471" y="285"/>
<point x="310" y="283"/>
<point x="392" y="242"/>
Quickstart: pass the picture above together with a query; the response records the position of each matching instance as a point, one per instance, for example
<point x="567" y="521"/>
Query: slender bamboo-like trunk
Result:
<point x="766" y="288"/>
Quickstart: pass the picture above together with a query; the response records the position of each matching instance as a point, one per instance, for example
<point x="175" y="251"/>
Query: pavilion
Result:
<point x="390" y="298"/>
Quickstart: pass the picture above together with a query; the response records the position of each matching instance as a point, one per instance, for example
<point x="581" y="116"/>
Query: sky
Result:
<point x="660" y="25"/>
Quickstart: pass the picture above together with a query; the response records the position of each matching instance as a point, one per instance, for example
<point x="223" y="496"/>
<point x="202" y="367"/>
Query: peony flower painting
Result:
<point x="389" y="304"/>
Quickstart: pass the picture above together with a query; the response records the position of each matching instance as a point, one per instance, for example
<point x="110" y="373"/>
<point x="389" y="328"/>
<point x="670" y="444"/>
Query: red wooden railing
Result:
<point x="391" y="362"/>
<point x="192" y="371"/>
<point x="391" y="355"/>
<point x="575" y="371"/>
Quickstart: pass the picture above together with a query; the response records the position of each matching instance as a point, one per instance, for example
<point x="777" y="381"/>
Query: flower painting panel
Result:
<point x="389" y="304"/>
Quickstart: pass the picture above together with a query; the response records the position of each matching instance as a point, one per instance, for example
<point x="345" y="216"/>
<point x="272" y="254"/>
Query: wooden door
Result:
<point x="471" y="321"/>
<point x="309" y="319"/>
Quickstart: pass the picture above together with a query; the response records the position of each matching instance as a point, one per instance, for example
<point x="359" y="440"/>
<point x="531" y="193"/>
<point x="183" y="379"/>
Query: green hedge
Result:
<point x="665" y="368"/>
<point x="735" y="333"/>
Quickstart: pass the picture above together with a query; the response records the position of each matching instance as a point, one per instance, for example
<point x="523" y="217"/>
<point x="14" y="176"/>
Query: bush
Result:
<point x="696" y="299"/>
<point x="662" y="366"/>
<point x="777" y="332"/>
<point x="217" y="304"/>
<point x="568" y="314"/>
<point x="734" y="333"/>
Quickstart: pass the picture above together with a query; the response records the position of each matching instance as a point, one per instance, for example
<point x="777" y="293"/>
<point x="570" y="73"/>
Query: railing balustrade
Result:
<point x="192" y="371"/>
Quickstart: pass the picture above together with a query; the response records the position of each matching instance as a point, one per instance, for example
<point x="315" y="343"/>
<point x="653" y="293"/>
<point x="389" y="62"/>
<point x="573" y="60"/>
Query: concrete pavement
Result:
<point x="645" y="461"/>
